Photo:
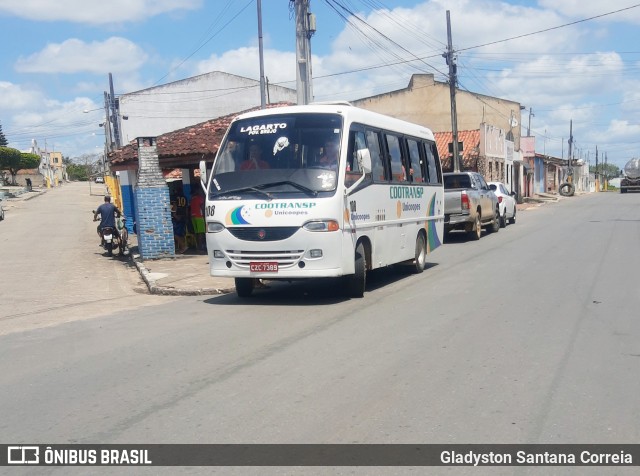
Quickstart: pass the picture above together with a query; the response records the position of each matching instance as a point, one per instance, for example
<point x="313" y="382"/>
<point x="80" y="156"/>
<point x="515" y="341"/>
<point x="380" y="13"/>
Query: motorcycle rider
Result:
<point x="108" y="213"/>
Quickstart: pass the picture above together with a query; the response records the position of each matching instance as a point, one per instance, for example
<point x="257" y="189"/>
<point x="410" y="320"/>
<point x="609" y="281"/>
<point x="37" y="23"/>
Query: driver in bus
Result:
<point x="329" y="157"/>
<point x="255" y="159"/>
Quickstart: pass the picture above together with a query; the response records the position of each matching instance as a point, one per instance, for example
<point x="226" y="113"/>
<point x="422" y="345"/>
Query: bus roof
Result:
<point x="351" y="114"/>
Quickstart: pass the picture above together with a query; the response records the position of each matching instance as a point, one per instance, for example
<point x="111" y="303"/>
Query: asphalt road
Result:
<point x="51" y="267"/>
<point x="531" y="335"/>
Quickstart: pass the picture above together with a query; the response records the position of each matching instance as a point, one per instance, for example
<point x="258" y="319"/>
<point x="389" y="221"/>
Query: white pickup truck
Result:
<point x="469" y="204"/>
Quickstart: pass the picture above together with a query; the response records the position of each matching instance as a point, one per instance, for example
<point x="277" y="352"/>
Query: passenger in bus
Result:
<point x="255" y="159"/>
<point x="329" y="157"/>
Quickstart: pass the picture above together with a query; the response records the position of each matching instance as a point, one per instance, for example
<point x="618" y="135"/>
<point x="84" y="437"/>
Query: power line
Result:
<point x="208" y="39"/>
<point x="550" y="29"/>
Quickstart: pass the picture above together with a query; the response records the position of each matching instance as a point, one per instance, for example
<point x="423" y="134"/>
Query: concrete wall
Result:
<point x="426" y="101"/>
<point x="155" y="111"/>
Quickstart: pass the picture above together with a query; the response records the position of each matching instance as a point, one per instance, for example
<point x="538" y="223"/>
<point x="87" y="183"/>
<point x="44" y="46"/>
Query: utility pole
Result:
<point x="453" y="68"/>
<point x="606" y="173"/>
<point x="107" y="124"/>
<point x="263" y="101"/>
<point x="531" y="114"/>
<point x="597" y="178"/>
<point x="114" y="114"/>
<point x="569" y="156"/>
<point x="305" y="28"/>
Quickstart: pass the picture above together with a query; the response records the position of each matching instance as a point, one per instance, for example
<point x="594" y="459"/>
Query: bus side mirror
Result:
<point x="364" y="160"/>
<point x="203" y="173"/>
<point x="363" y="156"/>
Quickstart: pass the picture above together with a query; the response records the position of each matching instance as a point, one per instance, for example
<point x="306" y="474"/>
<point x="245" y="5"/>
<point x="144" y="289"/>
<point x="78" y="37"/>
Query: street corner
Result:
<point x="183" y="275"/>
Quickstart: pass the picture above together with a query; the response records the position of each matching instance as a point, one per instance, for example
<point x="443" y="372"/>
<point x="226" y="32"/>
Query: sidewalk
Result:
<point x="184" y="275"/>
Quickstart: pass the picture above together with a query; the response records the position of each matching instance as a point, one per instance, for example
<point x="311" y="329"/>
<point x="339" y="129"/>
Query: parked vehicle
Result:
<point x="631" y="180"/>
<point x="124" y="235"/>
<point x="469" y="204"/>
<point x="1" y="210"/>
<point x="99" y="179"/>
<point x="506" y="203"/>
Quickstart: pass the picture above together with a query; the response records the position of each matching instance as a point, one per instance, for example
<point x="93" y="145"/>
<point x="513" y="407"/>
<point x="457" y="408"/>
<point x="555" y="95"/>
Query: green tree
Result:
<point x="10" y="160"/>
<point x="3" y="139"/>
<point x="78" y="172"/>
<point x="14" y="160"/>
<point x="610" y="170"/>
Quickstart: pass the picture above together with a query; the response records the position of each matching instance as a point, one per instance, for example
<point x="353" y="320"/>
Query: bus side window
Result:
<point x="356" y="142"/>
<point x="415" y="163"/>
<point x="379" y="171"/>
<point x="398" y="173"/>
<point x="433" y="163"/>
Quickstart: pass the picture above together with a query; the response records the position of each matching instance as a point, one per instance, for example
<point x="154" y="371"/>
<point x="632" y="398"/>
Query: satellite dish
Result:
<point x="513" y="122"/>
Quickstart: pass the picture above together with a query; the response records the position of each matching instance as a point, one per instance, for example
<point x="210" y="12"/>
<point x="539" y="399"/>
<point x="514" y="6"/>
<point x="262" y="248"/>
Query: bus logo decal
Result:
<point x="234" y="217"/>
<point x="433" y="240"/>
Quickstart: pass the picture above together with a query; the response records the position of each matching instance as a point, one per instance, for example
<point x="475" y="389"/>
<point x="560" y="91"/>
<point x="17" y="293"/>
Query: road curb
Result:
<point x="170" y="290"/>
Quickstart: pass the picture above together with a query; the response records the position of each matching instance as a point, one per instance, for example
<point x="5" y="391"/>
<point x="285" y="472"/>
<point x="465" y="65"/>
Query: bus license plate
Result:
<point x="263" y="267"/>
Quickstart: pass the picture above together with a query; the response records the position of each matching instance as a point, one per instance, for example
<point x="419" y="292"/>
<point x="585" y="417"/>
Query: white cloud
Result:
<point x="583" y="9"/>
<point x="279" y="66"/>
<point x="117" y="55"/>
<point x="17" y="97"/>
<point x="541" y="80"/>
<point x="94" y="11"/>
<point x="622" y="130"/>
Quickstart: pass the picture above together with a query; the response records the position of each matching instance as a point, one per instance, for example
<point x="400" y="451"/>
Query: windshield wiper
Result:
<point x="308" y="190"/>
<point x="246" y="189"/>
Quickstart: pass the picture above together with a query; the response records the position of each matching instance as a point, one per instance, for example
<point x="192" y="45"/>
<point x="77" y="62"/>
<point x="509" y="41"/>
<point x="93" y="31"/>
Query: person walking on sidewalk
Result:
<point x="197" y="218"/>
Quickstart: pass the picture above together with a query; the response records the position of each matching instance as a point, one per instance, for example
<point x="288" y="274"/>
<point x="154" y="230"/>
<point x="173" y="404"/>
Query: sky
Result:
<point x="563" y="60"/>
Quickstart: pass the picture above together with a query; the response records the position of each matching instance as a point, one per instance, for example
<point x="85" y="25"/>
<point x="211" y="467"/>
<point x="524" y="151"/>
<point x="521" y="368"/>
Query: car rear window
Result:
<point x="456" y="181"/>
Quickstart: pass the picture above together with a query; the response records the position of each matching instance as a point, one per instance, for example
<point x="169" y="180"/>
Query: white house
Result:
<point x="169" y="107"/>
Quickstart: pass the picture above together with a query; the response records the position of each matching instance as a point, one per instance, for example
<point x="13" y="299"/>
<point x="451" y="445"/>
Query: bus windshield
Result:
<point x="277" y="156"/>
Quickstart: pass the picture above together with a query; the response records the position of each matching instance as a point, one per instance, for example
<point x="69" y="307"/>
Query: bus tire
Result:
<point x="421" y="254"/>
<point x="356" y="282"/>
<point x="244" y="287"/>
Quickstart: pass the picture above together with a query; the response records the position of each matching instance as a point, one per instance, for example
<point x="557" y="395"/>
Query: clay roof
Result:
<point x="470" y="148"/>
<point x="195" y="141"/>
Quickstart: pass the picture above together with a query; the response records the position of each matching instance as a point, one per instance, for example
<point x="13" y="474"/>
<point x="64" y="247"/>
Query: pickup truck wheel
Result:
<point x="512" y="220"/>
<point x="244" y="287"/>
<point x="476" y="233"/>
<point x="495" y="224"/>
<point x="503" y="219"/>
<point x="421" y="254"/>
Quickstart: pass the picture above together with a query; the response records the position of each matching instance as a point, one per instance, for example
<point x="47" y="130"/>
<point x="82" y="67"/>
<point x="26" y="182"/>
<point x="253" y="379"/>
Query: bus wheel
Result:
<point x="356" y="282"/>
<point x="244" y="287"/>
<point x="421" y="254"/>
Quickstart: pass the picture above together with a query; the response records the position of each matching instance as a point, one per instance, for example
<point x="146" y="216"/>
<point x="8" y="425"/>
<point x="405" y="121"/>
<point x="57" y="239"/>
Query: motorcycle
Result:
<point x="107" y="239"/>
<point x="111" y="240"/>
<point x="124" y="235"/>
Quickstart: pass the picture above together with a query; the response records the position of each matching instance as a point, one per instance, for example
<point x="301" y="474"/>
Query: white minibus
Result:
<point x="322" y="190"/>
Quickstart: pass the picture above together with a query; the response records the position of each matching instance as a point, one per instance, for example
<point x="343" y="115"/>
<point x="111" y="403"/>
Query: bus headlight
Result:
<point x="214" y="227"/>
<point x="321" y="225"/>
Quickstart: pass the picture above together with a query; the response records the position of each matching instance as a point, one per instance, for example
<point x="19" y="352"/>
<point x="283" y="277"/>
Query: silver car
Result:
<point x="506" y="203"/>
